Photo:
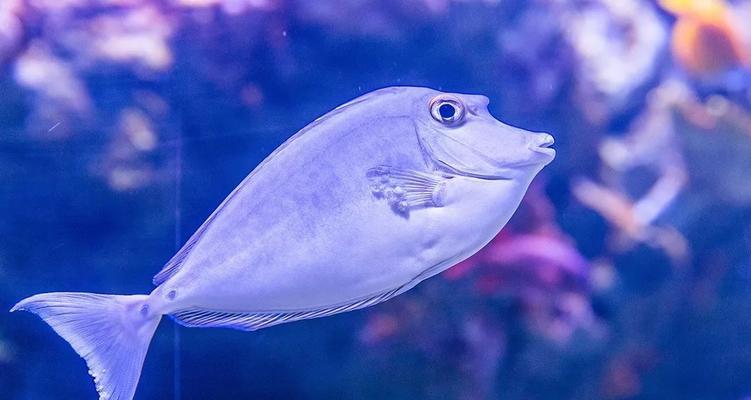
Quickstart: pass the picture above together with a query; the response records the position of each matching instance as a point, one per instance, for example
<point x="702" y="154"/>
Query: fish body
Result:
<point x="306" y="232"/>
<point x="356" y="208"/>
<point x="707" y="38"/>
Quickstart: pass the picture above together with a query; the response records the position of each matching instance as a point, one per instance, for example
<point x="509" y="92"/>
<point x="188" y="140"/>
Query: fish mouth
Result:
<point x="543" y="146"/>
<point x="458" y="158"/>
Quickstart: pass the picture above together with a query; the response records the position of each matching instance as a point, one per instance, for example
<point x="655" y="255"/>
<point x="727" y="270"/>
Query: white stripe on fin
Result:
<point x="197" y="317"/>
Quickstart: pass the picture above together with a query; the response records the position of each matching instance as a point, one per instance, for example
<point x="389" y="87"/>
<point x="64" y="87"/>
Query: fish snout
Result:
<point x="541" y="143"/>
<point x="544" y="140"/>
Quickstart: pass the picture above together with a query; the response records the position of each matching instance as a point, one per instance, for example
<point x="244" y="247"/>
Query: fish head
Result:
<point x="459" y="135"/>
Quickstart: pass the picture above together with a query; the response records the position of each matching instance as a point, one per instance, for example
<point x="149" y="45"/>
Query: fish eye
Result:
<point x="447" y="110"/>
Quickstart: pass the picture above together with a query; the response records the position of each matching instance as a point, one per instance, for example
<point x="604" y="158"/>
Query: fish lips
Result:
<point x="542" y="146"/>
<point x="458" y="158"/>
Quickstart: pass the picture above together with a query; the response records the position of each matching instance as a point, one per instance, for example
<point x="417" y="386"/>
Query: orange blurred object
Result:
<point x="707" y="38"/>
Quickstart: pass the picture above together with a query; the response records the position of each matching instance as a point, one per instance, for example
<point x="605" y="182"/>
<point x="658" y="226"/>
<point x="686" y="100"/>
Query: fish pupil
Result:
<point x="447" y="111"/>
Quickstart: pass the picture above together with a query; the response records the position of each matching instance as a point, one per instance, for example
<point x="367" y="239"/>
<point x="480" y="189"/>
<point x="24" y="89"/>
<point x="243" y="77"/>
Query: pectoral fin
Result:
<point x="405" y="189"/>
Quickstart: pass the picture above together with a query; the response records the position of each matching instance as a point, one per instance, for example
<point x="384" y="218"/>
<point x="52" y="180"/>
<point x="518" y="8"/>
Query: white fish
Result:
<point x="359" y="206"/>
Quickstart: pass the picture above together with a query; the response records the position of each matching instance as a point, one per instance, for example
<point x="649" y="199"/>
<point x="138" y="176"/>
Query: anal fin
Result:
<point x="204" y="318"/>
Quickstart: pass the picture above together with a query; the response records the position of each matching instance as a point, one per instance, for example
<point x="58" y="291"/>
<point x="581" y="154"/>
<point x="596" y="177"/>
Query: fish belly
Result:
<point x="332" y="259"/>
<point x="300" y="264"/>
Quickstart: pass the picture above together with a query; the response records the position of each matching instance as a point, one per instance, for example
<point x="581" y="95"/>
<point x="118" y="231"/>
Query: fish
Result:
<point x="356" y="208"/>
<point x="708" y="37"/>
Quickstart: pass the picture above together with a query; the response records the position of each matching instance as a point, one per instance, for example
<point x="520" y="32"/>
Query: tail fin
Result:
<point x="112" y="333"/>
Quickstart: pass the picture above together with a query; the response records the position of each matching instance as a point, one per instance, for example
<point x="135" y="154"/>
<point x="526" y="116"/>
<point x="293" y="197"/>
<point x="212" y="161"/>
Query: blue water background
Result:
<point x="104" y="104"/>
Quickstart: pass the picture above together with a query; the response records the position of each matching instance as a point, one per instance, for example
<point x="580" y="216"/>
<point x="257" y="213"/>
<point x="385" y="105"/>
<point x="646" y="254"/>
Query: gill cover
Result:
<point x="453" y="155"/>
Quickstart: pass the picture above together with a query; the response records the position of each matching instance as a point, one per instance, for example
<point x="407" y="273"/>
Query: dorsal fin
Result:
<point x="174" y="264"/>
<point x="198" y="317"/>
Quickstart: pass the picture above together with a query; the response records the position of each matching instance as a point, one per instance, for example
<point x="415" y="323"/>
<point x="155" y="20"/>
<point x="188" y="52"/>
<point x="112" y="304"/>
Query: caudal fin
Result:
<point x="112" y="333"/>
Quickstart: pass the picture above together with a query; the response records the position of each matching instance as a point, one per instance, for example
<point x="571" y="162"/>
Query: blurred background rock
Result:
<point x="624" y="274"/>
